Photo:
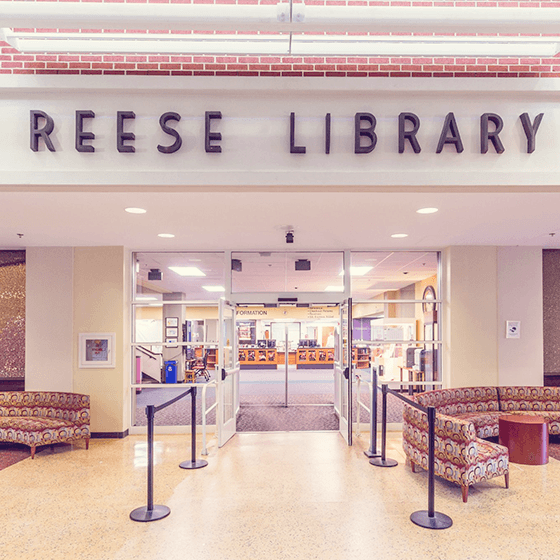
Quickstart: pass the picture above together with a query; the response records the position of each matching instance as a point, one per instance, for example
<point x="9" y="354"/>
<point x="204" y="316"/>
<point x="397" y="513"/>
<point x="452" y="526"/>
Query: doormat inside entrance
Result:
<point x="286" y="419"/>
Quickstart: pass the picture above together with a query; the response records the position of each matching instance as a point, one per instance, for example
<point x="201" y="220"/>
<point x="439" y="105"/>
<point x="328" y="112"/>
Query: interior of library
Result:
<point x="282" y="324"/>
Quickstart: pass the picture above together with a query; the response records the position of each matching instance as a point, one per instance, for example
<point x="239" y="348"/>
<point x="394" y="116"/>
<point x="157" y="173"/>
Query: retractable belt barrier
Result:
<point x="152" y="512"/>
<point x="429" y="519"/>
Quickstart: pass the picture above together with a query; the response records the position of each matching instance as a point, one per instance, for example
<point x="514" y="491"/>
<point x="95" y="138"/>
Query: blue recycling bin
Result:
<point x="171" y="371"/>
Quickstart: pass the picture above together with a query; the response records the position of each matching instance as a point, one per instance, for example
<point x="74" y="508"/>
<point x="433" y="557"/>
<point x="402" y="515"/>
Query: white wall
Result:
<point x="470" y="321"/>
<point x="48" y="317"/>
<point x="101" y="305"/>
<point x="520" y="298"/>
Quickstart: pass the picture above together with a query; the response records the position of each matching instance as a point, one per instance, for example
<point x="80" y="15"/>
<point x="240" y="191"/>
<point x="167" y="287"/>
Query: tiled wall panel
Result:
<point x="12" y="314"/>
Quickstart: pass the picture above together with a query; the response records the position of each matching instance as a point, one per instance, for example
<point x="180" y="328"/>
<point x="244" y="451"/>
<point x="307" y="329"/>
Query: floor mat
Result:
<point x="291" y="418"/>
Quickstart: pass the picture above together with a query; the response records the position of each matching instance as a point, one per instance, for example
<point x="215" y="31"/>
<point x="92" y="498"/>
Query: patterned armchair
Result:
<point x="44" y="418"/>
<point x="460" y="456"/>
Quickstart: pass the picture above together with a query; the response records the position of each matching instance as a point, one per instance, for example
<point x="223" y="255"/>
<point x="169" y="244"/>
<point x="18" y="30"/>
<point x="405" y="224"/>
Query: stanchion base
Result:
<point x="145" y="515"/>
<point x="379" y="462"/>
<point x="370" y="454"/>
<point x="439" y="521"/>
<point x="194" y="464"/>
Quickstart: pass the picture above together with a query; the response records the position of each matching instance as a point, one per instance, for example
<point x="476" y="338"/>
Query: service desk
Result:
<point x="258" y="358"/>
<point x="314" y="358"/>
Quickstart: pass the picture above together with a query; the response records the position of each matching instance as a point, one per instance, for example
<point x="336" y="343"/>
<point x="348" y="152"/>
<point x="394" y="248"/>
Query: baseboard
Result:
<point x="109" y="435"/>
<point x="12" y="384"/>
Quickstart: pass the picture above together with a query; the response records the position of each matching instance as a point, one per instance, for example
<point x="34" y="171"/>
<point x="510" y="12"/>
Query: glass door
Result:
<point x="228" y="374"/>
<point x="343" y="371"/>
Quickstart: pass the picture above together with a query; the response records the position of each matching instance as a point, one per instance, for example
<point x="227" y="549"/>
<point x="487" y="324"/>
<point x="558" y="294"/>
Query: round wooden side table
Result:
<point x="526" y="438"/>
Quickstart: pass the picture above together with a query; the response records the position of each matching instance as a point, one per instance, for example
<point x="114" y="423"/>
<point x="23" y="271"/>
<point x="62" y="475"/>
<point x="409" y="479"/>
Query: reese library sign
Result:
<point x="292" y="136"/>
<point x="42" y="126"/>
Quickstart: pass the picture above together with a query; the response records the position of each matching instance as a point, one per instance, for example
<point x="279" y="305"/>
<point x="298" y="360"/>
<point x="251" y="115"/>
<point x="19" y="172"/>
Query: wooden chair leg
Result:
<point x="33" y="451"/>
<point x="506" y="476"/>
<point x="413" y="466"/>
<point x="465" y="493"/>
<point x="87" y="443"/>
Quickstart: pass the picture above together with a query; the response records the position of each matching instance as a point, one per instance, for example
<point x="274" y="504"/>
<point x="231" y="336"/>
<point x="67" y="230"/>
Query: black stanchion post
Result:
<point x="431" y="519"/>
<point x="372" y="451"/>
<point x="383" y="461"/>
<point x="193" y="463"/>
<point x="150" y="512"/>
<point x="431" y="460"/>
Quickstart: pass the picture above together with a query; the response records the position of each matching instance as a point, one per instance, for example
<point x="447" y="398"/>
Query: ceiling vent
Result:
<point x="303" y="264"/>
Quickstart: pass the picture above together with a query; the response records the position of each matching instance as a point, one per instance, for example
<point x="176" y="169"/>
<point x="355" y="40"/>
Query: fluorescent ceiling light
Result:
<point x="146" y="298"/>
<point x="302" y="45"/>
<point x="334" y="289"/>
<point x="426" y="210"/>
<point x="187" y="270"/>
<point x="135" y="210"/>
<point x="167" y="235"/>
<point x="358" y="270"/>
<point x="399" y="235"/>
<point x="214" y="288"/>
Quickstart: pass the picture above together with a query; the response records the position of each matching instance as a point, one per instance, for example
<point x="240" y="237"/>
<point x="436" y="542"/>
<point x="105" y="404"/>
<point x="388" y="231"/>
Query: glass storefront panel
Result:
<point x="178" y="276"/>
<point x="393" y="274"/>
<point x="176" y="414"/>
<point x="398" y="346"/>
<point x="287" y="272"/>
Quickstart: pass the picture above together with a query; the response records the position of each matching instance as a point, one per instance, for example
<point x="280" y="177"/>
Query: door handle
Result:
<point x="346" y="373"/>
<point x="224" y="374"/>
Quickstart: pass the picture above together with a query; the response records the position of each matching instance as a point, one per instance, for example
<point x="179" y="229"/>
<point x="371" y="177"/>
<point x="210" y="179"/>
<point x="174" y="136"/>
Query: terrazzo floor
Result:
<point x="265" y="496"/>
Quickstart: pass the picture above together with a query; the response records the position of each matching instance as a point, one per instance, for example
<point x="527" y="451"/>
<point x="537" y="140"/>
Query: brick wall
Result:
<point x="14" y="62"/>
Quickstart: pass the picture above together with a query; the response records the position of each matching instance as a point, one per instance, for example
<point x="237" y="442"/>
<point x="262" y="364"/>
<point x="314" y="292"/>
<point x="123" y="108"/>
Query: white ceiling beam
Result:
<point x="202" y="17"/>
<point x="375" y="19"/>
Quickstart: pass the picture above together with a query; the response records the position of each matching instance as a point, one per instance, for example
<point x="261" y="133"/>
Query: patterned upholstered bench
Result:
<point x="464" y="417"/>
<point x="43" y="418"/>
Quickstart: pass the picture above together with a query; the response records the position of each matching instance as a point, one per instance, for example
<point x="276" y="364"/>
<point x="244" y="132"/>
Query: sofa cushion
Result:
<point x="529" y="398"/>
<point x="462" y="400"/>
<point x="40" y="431"/>
<point x="67" y="406"/>
<point x="485" y="423"/>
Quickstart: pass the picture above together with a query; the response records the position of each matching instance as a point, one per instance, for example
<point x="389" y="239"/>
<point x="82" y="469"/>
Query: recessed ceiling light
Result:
<point x="427" y="211"/>
<point x="135" y="210"/>
<point x="214" y="288"/>
<point x="334" y="289"/>
<point x="165" y="235"/>
<point x="187" y="270"/>
<point x="399" y="235"/>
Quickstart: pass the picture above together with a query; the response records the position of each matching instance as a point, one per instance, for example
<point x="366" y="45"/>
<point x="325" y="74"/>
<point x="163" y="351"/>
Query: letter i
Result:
<point x="328" y="133"/>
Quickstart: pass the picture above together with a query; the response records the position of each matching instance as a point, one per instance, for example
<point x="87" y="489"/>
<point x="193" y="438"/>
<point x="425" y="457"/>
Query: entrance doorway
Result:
<point x="287" y="373"/>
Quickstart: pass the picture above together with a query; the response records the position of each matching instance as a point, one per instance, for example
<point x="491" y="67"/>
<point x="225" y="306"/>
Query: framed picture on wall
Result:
<point x="171" y="332"/>
<point x="96" y="350"/>
<point x="172" y="321"/>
